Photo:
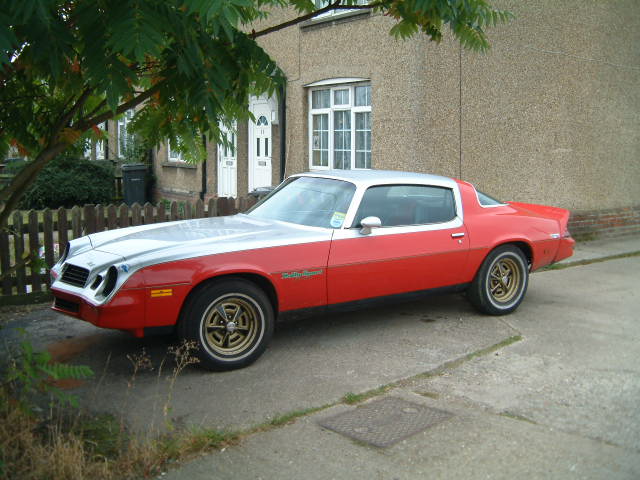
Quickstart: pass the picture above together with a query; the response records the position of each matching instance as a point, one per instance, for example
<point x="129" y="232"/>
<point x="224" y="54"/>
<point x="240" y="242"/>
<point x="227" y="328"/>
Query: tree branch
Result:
<point x="95" y="110"/>
<point x="332" y="6"/>
<point x="134" y="102"/>
<point x="10" y="195"/>
<point x="66" y="118"/>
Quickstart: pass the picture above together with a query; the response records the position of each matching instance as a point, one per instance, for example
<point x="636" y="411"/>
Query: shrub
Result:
<point x="66" y="182"/>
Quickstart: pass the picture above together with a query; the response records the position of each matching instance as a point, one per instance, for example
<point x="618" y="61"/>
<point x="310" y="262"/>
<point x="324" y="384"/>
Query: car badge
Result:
<point x="124" y="267"/>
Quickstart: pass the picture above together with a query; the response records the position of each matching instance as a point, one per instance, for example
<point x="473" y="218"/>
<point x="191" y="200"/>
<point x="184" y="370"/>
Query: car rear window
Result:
<point x="486" y="200"/>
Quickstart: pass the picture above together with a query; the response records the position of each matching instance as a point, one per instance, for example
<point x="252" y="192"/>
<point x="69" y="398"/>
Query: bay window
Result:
<point x="340" y="127"/>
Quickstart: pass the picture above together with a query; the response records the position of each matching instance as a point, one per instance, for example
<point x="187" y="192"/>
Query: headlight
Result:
<point x="110" y="281"/>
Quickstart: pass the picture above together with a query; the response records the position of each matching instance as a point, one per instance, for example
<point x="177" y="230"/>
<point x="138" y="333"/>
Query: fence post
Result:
<point x="136" y="214"/>
<point x="47" y="227"/>
<point x="34" y="247"/>
<point x="89" y="219"/>
<point x="174" y="211"/>
<point x="213" y="208"/>
<point x="18" y="249"/>
<point x="161" y="215"/>
<point x="63" y="228"/>
<point x="124" y="215"/>
<point x="112" y="217"/>
<point x="5" y="262"/>
<point x="199" y="209"/>
<point x="148" y="213"/>
<point x="76" y="222"/>
<point x="99" y="218"/>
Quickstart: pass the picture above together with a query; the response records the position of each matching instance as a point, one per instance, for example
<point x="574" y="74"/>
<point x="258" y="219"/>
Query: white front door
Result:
<point x="260" y="146"/>
<point x="227" y="164"/>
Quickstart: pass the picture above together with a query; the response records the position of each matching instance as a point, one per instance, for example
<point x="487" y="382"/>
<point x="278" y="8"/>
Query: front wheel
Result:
<point x="231" y="322"/>
<point x="500" y="284"/>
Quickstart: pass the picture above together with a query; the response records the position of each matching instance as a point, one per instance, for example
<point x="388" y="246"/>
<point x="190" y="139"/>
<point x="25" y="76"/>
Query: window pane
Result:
<point x="266" y="147"/>
<point x="342" y="140"/>
<point x="341" y="97"/>
<point x="321" y="99"/>
<point x="257" y="147"/>
<point x="407" y="205"/>
<point x="487" y="200"/>
<point x="363" y="96"/>
<point x="320" y="140"/>
<point x="363" y="140"/>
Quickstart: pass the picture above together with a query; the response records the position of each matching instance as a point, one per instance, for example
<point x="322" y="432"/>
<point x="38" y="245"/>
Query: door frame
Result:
<point x="254" y="103"/>
<point x="221" y="158"/>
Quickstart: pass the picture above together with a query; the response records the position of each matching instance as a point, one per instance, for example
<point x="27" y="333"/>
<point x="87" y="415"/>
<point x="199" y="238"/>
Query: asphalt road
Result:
<point x="560" y="403"/>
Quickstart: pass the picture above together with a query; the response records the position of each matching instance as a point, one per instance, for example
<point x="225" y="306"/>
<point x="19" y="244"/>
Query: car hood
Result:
<point x="206" y="236"/>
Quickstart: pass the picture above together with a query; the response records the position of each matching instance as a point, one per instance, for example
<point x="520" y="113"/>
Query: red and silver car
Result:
<point x="319" y="241"/>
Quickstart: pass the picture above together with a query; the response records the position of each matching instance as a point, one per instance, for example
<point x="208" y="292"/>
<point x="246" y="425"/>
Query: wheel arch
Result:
<point x="259" y="280"/>
<point x="524" y="247"/>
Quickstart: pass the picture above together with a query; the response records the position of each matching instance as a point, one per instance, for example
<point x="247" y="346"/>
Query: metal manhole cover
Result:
<point x="385" y="422"/>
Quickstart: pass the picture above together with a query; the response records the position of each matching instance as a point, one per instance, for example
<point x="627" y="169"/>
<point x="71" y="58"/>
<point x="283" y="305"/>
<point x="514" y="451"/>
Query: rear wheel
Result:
<point x="231" y="322"/>
<point x="501" y="282"/>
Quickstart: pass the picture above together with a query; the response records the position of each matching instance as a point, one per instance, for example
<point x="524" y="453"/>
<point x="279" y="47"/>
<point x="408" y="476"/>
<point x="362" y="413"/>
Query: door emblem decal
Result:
<point x="303" y="274"/>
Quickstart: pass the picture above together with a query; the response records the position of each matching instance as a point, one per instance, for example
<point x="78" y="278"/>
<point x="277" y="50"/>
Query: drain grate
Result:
<point x="385" y="422"/>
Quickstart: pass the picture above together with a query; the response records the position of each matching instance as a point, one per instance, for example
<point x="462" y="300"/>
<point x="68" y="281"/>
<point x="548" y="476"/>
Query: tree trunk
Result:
<point x="10" y="195"/>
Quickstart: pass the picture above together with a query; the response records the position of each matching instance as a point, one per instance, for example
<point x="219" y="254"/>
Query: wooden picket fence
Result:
<point x="47" y="232"/>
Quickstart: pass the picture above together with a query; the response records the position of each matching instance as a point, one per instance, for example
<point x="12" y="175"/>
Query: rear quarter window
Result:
<point x="487" y="201"/>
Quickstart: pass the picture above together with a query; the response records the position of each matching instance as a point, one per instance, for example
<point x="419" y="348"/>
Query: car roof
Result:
<point x="377" y="177"/>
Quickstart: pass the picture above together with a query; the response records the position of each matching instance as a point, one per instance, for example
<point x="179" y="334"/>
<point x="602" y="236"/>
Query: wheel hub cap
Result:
<point x="231" y="325"/>
<point x="504" y="280"/>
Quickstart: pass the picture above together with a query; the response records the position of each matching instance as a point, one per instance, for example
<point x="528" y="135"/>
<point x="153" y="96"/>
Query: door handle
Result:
<point x="457" y="235"/>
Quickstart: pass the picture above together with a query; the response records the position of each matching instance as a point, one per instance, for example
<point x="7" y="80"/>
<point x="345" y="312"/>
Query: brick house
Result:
<point x="550" y="115"/>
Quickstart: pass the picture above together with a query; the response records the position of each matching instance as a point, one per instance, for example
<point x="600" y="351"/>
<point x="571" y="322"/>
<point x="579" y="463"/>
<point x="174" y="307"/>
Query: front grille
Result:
<point x="74" y="275"/>
<point x="67" y="305"/>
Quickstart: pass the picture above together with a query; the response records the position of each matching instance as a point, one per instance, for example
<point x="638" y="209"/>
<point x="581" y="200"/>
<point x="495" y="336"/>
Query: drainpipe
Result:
<point x="282" y="106"/>
<point x="204" y="169"/>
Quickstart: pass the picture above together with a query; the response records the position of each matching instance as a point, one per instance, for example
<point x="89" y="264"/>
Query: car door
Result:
<point x="422" y="244"/>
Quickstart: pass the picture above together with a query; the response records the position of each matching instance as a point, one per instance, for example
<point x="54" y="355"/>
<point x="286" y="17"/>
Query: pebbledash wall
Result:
<point x="550" y="115"/>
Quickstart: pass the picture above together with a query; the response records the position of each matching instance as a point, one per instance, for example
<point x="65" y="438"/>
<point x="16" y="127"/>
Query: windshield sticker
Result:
<point x="303" y="274"/>
<point x="337" y="219"/>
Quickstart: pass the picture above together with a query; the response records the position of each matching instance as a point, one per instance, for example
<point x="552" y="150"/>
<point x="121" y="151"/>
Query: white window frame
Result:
<point x="123" y="122"/>
<point x="178" y="158"/>
<point x="336" y="12"/>
<point x="99" y="145"/>
<point x="330" y="112"/>
<point x="101" y="142"/>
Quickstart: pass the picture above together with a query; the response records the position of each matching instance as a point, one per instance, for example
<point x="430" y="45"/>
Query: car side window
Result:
<point x="397" y="205"/>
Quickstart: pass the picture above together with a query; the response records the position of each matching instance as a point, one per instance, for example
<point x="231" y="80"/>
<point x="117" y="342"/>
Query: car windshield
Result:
<point x="315" y="202"/>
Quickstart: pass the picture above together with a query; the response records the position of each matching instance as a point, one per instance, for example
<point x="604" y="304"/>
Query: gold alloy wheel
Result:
<point x="504" y="280"/>
<point x="231" y="325"/>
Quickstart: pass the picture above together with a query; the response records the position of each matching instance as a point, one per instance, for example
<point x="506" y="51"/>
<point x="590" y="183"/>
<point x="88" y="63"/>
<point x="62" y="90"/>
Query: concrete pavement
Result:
<point x="560" y="403"/>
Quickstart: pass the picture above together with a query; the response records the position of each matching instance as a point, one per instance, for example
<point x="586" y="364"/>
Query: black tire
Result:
<point x="501" y="283"/>
<point x="237" y="340"/>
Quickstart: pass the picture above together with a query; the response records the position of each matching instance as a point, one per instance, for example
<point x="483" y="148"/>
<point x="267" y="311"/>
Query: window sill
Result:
<point x="179" y="165"/>
<point x="329" y="20"/>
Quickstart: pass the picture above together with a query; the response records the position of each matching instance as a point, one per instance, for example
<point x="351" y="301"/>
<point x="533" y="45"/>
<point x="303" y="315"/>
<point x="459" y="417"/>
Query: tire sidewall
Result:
<point x="511" y="305"/>
<point x="479" y="294"/>
<point x="207" y="297"/>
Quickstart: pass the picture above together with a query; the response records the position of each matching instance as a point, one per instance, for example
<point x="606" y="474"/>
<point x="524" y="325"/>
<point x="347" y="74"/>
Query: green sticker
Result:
<point x="337" y="219"/>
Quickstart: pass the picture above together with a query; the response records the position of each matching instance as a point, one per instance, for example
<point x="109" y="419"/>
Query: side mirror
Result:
<point x="368" y="224"/>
